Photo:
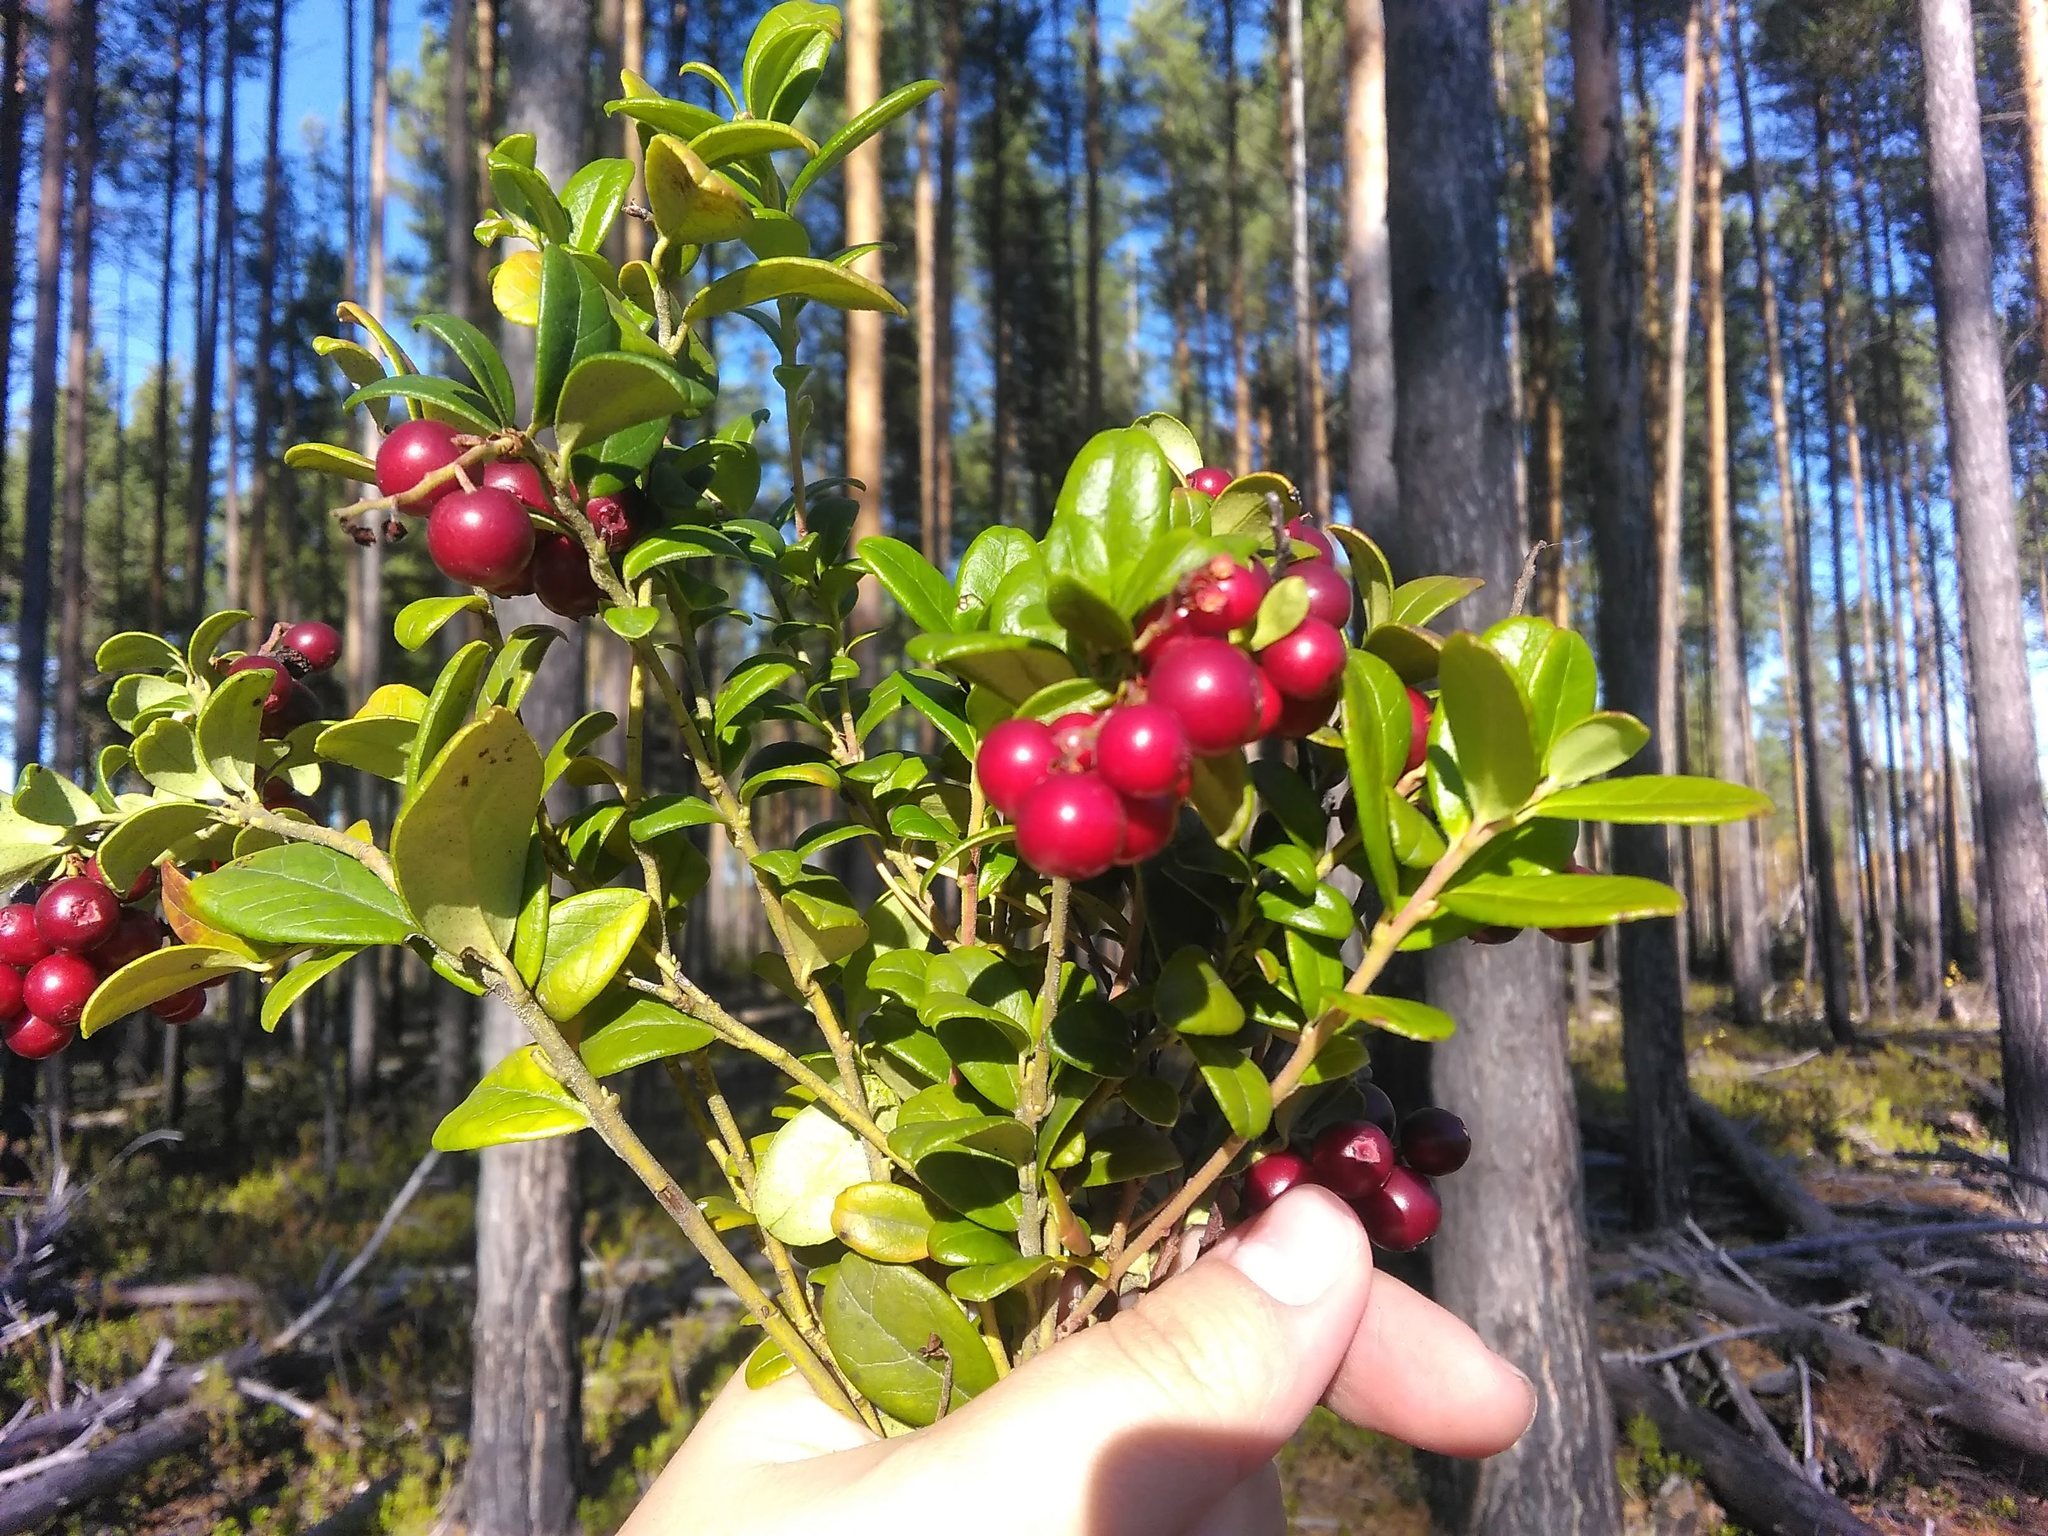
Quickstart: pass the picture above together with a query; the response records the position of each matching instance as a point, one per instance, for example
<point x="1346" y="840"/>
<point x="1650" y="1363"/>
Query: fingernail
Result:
<point x="1297" y="1250"/>
<point x="1535" y="1402"/>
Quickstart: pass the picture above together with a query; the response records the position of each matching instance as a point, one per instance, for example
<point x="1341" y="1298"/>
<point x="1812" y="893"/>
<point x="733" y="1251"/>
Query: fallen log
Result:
<point x="1764" y="1495"/>
<point x="31" y="1505"/>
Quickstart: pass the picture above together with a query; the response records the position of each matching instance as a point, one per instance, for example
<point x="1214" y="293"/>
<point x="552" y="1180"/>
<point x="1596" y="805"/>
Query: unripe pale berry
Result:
<point x="1071" y="827"/>
<point x="1015" y="758"/>
<point x="1308" y="663"/>
<point x="76" y="913"/>
<point x="481" y="538"/>
<point x="519" y="480"/>
<point x="562" y="579"/>
<point x="1149" y="825"/>
<point x="1435" y="1142"/>
<point x="1329" y="591"/>
<point x="1271" y="1177"/>
<point x="1352" y="1157"/>
<point x="1210" y="480"/>
<point x="410" y="452"/>
<point x="20" y="945"/>
<point x="1402" y="1214"/>
<point x="180" y="1007"/>
<point x="57" y="986"/>
<point x="1419" y="713"/>
<point x="1225" y="595"/>
<point x="1143" y="751"/>
<point x="1305" y="530"/>
<point x="1213" y="687"/>
<point x="34" y="1038"/>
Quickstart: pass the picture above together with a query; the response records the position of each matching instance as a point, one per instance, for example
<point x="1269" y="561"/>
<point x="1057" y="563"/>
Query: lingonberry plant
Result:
<point x="1128" y="820"/>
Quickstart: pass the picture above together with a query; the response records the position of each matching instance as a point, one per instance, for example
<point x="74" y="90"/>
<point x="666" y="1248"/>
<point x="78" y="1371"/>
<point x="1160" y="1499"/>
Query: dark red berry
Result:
<point x="1376" y="1106"/>
<point x="57" y="986"/>
<point x="1015" y="758"/>
<point x="1574" y="935"/>
<point x="562" y="579"/>
<point x="1302" y="717"/>
<point x="1352" y="1157"/>
<point x="1074" y="734"/>
<point x="1402" y="1213"/>
<point x="76" y="913"/>
<point x="519" y="480"/>
<point x="1143" y="750"/>
<point x="1157" y="627"/>
<point x="1419" y="712"/>
<point x="301" y="707"/>
<point x="20" y="945"/>
<point x="1494" y="934"/>
<point x="180" y="1007"/>
<point x="1271" y="1177"/>
<point x="137" y="888"/>
<point x="10" y="992"/>
<point x="616" y="520"/>
<point x="481" y="538"/>
<point x="1210" y="480"/>
<point x="318" y="645"/>
<point x="1271" y="707"/>
<point x="1213" y="687"/>
<point x="1329" y="591"/>
<point x="278" y="795"/>
<point x="1149" y="826"/>
<point x="36" y="1039"/>
<point x="1225" y="595"/>
<point x="1304" y="530"/>
<point x="1307" y="664"/>
<point x="136" y="935"/>
<point x="281" y="681"/>
<point x="1071" y="827"/>
<point x="410" y="452"/>
<point x="1435" y="1141"/>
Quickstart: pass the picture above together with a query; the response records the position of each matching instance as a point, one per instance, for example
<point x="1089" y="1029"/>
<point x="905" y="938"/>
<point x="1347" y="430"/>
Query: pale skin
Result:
<point x="1163" y="1422"/>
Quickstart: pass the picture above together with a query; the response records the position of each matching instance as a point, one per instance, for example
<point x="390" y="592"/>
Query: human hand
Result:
<point x="1163" y="1421"/>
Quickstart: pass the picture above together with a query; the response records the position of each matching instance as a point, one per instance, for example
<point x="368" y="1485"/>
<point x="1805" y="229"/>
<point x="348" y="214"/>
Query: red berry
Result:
<point x="1419" y="711"/>
<point x="1435" y="1141"/>
<point x="57" y="986"/>
<point x="1493" y="934"/>
<point x="519" y="480"/>
<point x="1304" y="530"/>
<point x="10" y="992"/>
<point x="1271" y="707"/>
<point x="1071" y="827"/>
<point x="410" y="452"/>
<point x="317" y="644"/>
<point x="76" y="913"/>
<point x="562" y="579"/>
<point x="1377" y="1107"/>
<point x="34" y="1038"/>
<point x="1225" y="596"/>
<point x="1352" y="1157"/>
<point x="1271" y="1177"/>
<point x="1149" y="825"/>
<point x="1574" y="935"/>
<point x="1074" y="734"/>
<point x="1210" y="479"/>
<point x="136" y="935"/>
<point x="616" y="520"/>
<point x="20" y="945"/>
<point x="1329" y="591"/>
<point x="278" y="795"/>
<point x="1157" y="627"/>
<point x="137" y="889"/>
<point x="180" y="1007"/>
<point x="481" y="538"/>
<point x="1307" y="664"/>
<point x="281" y="681"/>
<point x="1142" y="749"/>
<point x="1015" y="758"/>
<point x="1401" y="1214"/>
<point x="1213" y="687"/>
<point x="1303" y="717"/>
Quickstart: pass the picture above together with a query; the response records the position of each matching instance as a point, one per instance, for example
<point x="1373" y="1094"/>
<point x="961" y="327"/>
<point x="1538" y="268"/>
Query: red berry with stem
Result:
<point x="180" y="1007"/>
<point x="1015" y="758"/>
<point x="137" y="888"/>
<point x="1149" y="825"/>
<point x="20" y="945"/>
<point x="481" y="538"/>
<point x="1307" y="664"/>
<point x="616" y="519"/>
<point x="519" y="480"/>
<point x="136" y="935"/>
<point x="1419" y="712"/>
<point x="1214" y="688"/>
<point x="1303" y="717"/>
<point x="1224" y="595"/>
<point x="1402" y="1214"/>
<point x="57" y="986"/>
<point x="410" y="452"/>
<point x="317" y="645"/>
<point x="10" y="991"/>
<point x="1434" y="1141"/>
<point x="1074" y="734"/>
<point x="1305" y="530"/>
<point x="1352" y="1157"/>
<point x="1071" y="827"/>
<point x="76" y="913"/>
<point x="1329" y="591"/>
<point x="1210" y="480"/>
<point x="1143" y="750"/>
<point x="1272" y="1176"/>
<point x="34" y="1038"/>
<point x="1581" y="935"/>
<point x="281" y="681"/>
<point x="562" y="579"/>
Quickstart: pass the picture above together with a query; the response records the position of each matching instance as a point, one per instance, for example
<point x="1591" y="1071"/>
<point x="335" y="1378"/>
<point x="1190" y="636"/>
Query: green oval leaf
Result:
<point x="1236" y="1084"/>
<point x="518" y="1100"/>
<point x="807" y="1164"/>
<point x="1597" y="744"/>
<point x="572" y="321"/>
<point x="329" y="459"/>
<point x="443" y="399"/>
<point x="1560" y="901"/>
<point x="1396" y="1015"/>
<point x="640" y="1031"/>
<point x="789" y="277"/>
<point x="1652" y="799"/>
<point x="985" y="1282"/>
<point x="471" y="348"/>
<point x="1489" y="721"/>
<point x="230" y="727"/>
<point x="608" y="392"/>
<point x="160" y="974"/>
<point x="284" y="993"/>
<point x="147" y="836"/>
<point x="419" y="621"/>
<point x="300" y="893"/>
<point x="590" y="935"/>
<point x="884" y="1222"/>
<point x="857" y="130"/>
<point x="882" y="1320"/>
<point x="1191" y="999"/>
<point x="920" y="591"/>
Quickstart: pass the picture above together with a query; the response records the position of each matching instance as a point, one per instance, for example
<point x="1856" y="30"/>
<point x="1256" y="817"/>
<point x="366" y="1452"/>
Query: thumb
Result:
<point x="1140" y="1425"/>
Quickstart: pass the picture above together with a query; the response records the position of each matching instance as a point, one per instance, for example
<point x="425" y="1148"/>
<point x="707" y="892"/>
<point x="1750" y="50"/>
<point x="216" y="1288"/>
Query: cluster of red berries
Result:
<point x="1381" y="1170"/>
<point x="481" y="532"/>
<point x="1091" y="790"/>
<point x="57" y="947"/>
<point x="297" y="652"/>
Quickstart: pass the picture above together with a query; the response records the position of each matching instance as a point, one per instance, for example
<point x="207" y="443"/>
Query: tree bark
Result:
<point x="944" y="242"/>
<point x="208" y="270"/>
<point x="2033" y="50"/>
<point x="160" y="469"/>
<point x="260" y="598"/>
<point x="923" y="224"/>
<point x="998" y="262"/>
<point x="458" y="135"/>
<point x="1373" y="492"/>
<point x="2014" y="838"/>
<point x="1511" y="1256"/>
<point x="1671" y="463"/>
<point x="1310" y="438"/>
<point x="1546" y="402"/>
<point x="1233" y="254"/>
<point x="69" y="737"/>
<point x="1091" y="160"/>
<point x="13" y="106"/>
<point x="32" y="623"/>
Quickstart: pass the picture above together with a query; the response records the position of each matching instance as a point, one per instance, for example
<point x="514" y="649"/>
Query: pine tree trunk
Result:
<point x="486" y="132"/>
<point x="1930" y="954"/>
<point x="1546" y="402"/>
<point x="13" y="106"/>
<point x="2014" y="837"/>
<point x="1671" y="464"/>
<point x="32" y="624"/>
<point x="261" y="513"/>
<point x="1373" y="493"/>
<point x="999" y="262"/>
<point x="632" y="56"/>
<point x="2033" y="51"/>
<point x="1648" y="157"/>
<point x="866" y="440"/>
<point x="923" y="226"/>
<point x="1294" y="146"/>
<point x="458" y="134"/>
<point x="1511" y="1257"/>
<point x="944" y="237"/>
<point x="69" y="737"/>
<point x="160" y="469"/>
<point x="1091" y="160"/>
<point x="208" y="271"/>
<point x="1233" y="253"/>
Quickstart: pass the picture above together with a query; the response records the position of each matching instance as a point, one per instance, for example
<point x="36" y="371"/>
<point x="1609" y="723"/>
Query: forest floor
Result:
<point x="381" y="1447"/>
